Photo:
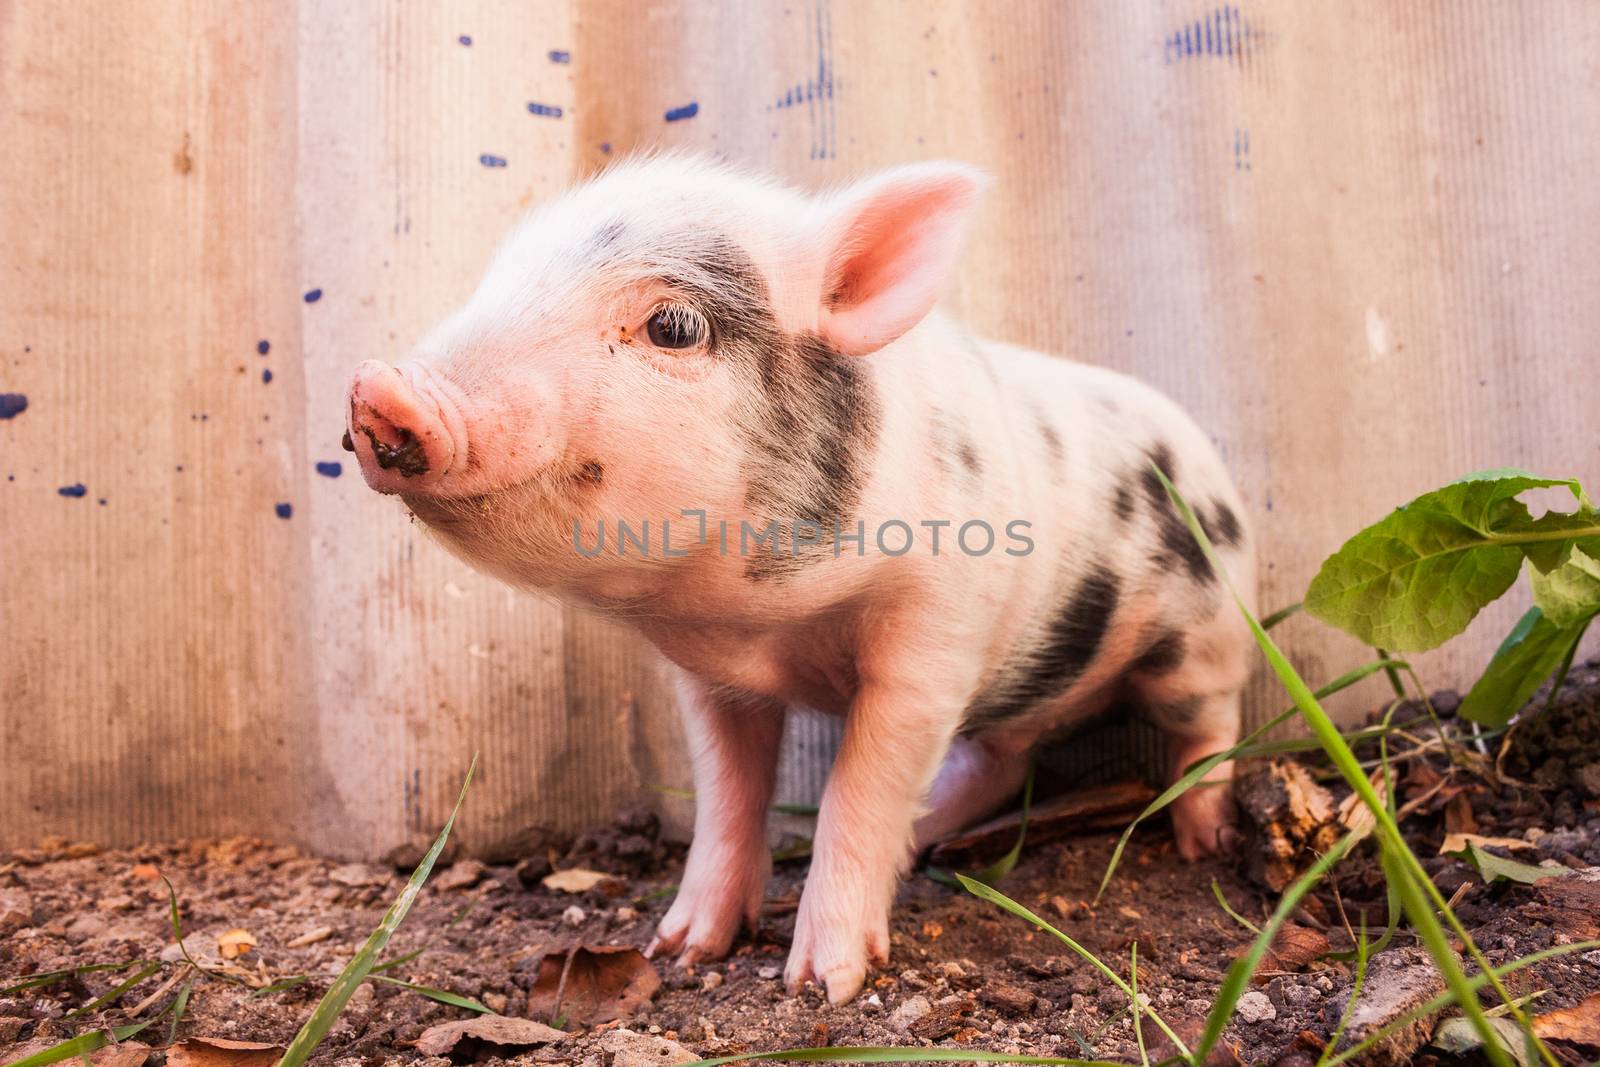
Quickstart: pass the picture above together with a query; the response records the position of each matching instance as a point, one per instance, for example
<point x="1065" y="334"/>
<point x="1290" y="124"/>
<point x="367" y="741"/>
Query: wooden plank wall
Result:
<point x="1357" y="240"/>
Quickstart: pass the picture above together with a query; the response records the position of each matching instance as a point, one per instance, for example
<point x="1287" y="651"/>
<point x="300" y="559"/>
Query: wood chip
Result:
<point x="491" y="1029"/>
<point x="311" y="937"/>
<point x="1078" y="812"/>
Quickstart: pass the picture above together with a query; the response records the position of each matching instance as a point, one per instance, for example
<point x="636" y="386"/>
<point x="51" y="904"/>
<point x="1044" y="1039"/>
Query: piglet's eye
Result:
<point x="675" y="326"/>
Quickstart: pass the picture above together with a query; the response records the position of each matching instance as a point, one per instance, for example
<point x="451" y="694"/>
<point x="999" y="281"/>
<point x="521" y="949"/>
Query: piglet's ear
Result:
<point x="891" y="241"/>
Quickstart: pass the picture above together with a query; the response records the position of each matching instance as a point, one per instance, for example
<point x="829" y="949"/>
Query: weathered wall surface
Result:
<point x="1358" y="240"/>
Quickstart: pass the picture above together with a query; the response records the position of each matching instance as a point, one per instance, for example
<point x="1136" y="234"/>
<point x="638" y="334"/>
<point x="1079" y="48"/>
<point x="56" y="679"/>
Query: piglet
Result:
<point x="728" y="412"/>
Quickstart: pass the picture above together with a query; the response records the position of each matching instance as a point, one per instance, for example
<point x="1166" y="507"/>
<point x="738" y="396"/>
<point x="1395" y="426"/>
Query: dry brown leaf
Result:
<point x="122" y="1054"/>
<point x="576" y="880"/>
<point x="235" y="943"/>
<point x="1458" y="816"/>
<point x="494" y="1029"/>
<point x="1292" y="950"/>
<point x="222" y="1052"/>
<point x="602" y="983"/>
<point x="1458" y="842"/>
<point x="1579" y="1024"/>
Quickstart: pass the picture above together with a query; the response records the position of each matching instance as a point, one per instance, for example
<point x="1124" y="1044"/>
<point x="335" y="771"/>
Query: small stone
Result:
<point x="1255" y="1007"/>
<point x="767" y="974"/>
<point x="626" y="914"/>
<point x="1592" y="958"/>
<point x="495" y="1002"/>
<point x="875" y="1002"/>
<point x="1007" y="999"/>
<point x="710" y="980"/>
<point x="908" y="1012"/>
<point x="463" y="874"/>
<point x="626" y="1048"/>
<point x="1588" y="779"/>
<point x="951" y="971"/>
<point x="311" y="937"/>
<point x="574" y="915"/>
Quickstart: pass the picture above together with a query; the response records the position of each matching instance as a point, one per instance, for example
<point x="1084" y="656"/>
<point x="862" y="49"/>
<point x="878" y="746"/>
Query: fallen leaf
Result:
<point x="1293" y="948"/>
<point x="624" y="1048"/>
<point x="222" y="1052"/>
<point x="462" y="874"/>
<point x="1458" y="1037"/>
<point x="235" y="943"/>
<point x="1579" y="1024"/>
<point x="1458" y="842"/>
<point x="576" y="880"/>
<point x="1458" y="816"/>
<point x="122" y="1054"/>
<point x="145" y="872"/>
<point x="603" y="983"/>
<point x="494" y="1029"/>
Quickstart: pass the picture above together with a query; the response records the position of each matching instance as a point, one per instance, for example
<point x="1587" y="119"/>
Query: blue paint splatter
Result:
<point x="492" y="161"/>
<point x="284" y="510"/>
<point x="12" y="405"/>
<point x="558" y="55"/>
<point x="313" y="295"/>
<point x="263" y="347"/>
<point x="605" y="146"/>
<point x="465" y="39"/>
<point x="75" y="490"/>
<point x="1222" y="33"/>
<point x="687" y="111"/>
<point x="547" y="110"/>
<point x="330" y="468"/>
<point x="266" y="376"/>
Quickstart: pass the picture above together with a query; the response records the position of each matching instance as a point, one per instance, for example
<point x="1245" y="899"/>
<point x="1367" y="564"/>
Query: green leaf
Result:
<point x="1570" y="593"/>
<point x="361" y="964"/>
<point x="1531" y="652"/>
<point x="1417" y="577"/>
<point x="1498" y="869"/>
<point x="443" y="996"/>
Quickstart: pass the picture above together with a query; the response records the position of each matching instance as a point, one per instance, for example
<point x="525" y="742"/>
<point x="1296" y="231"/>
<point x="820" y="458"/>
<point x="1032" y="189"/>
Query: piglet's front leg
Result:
<point x="894" y="738"/>
<point x="733" y="741"/>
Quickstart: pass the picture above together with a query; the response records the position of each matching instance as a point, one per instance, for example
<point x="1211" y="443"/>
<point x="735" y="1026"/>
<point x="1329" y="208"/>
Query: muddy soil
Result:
<point x="964" y="974"/>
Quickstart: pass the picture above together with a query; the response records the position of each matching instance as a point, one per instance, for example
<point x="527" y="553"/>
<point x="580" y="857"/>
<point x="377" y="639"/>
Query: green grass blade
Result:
<point x="81" y="1045"/>
<point x="1133" y="983"/>
<point x="443" y="996"/>
<point x="1444" y="1000"/>
<point x="1362" y="955"/>
<point x="360" y="966"/>
<point x="1199" y="770"/>
<point x="177" y="935"/>
<point x="845" y="1054"/>
<point x="1392" y="841"/>
<point x="994" y="896"/>
<point x="279" y="986"/>
<point x="1222" y="901"/>
<point x="179" y="1006"/>
<point x="996" y="871"/>
<point x="1238" y="976"/>
<point x="115" y="991"/>
<point x="44" y="978"/>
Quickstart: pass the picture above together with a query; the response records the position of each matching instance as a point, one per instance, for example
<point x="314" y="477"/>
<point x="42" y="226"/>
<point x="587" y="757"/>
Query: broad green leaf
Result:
<point x="1570" y="593"/>
<point x="1417" y="577"/>
<point x="1531" y="652"/>
<point x="1498" y="869"/>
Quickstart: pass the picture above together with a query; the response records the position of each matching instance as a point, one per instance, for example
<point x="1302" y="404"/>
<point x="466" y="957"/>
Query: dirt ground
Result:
<point x="964" y="973"/>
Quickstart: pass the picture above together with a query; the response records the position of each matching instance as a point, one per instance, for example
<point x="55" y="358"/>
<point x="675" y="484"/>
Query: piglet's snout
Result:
<point x="404" y="431"/>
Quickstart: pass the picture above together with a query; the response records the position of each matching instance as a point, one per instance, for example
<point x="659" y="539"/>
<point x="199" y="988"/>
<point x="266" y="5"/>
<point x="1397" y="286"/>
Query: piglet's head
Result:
<point x="671" y="335"/>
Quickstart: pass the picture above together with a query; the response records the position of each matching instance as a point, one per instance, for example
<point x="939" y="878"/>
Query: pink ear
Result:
<point x="891" y="242"/>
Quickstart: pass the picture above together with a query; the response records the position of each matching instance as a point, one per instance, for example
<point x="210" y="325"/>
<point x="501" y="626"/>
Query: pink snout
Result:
<point x="404" y="430"/>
